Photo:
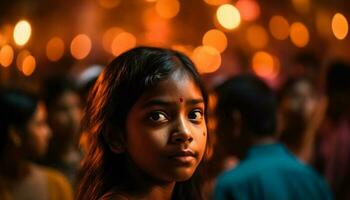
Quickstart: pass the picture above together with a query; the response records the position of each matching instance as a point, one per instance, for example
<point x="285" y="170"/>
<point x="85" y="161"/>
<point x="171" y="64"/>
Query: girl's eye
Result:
<point x="196" y="115"/>
<point x="158" y="117"/>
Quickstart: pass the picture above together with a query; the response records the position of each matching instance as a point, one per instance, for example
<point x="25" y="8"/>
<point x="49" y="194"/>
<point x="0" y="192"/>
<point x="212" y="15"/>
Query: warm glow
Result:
<point x="20" y="58"/>
<point x="22" y="32"/>
<point x="265" y="65"/>
<point x="28" y="65"/>
<point x="228" y="16"/>
<point x="109" y="36"/>
<point x="109" y="3"/>
<point x="323" y="23"/>
<point x="80" y="46"/>
<point x="299" y="34"/>
<point x="2" y="40"/>
<point x="207" y="59"/>
<point x="55" y="49"/>
<point x="340" y="26"/>
<point x="158" y="29"/>
<point x="167" y="8"/>
<point x="6" y="55"/>
<point x="249" y="9"/>
<point x="216" y="2"/>
<point x="216" y="39"/>
<point x="302" y="6"/>
<point x="279" y="27"/>
<point x="187" y="50"/>
<point x="257" y="36"/>
<point x="123" y="42"/>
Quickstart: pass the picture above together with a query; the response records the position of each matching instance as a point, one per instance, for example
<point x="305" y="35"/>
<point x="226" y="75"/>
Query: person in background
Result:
<point x="24" y="136"/>
<point x="332" y="153"/>
<point x="64" y="115"/>
<point x="246" y="110"/>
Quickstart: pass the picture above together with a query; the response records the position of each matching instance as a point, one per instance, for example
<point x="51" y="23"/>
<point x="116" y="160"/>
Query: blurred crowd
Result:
<point x="41" y="144"/>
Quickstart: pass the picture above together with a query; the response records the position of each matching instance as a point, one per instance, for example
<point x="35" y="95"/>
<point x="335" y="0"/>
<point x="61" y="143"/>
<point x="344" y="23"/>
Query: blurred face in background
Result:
<point x="37" y="134"/>
<point x="65" y="115"/>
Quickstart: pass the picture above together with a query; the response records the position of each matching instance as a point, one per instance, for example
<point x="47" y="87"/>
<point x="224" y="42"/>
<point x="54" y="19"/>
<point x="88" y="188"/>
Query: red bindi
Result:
<point x="181" y="100"/>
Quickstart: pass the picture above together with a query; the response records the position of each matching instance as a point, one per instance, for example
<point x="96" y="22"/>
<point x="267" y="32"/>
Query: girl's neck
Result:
<point x="163" y="192"/>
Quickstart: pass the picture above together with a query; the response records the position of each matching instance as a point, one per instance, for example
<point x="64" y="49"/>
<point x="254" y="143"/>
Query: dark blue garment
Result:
<point x="271" y="172"/>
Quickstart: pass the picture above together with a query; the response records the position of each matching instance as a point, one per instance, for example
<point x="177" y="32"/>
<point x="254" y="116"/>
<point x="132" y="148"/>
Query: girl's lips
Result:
<point x="183" y="156"/>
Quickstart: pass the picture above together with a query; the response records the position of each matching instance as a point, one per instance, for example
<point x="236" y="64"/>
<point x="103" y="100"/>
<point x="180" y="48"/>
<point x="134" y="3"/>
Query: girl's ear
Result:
<point x="114" y="139"/>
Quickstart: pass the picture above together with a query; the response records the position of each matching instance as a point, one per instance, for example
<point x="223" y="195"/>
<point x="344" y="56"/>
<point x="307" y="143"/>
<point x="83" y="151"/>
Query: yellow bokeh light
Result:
<point x="279" y="27"/>
<point x="20" y="58"/>
<point x="340" y="26"/>
<point x="257" y="36"/>
<point x="55" y="49"/>
<point x="207" y="59"/>
<point x="28" y="65"/>
<point x="299" y="34"/>
<point x="216" y="2"/>
<point x="228" y="16"/>
<point x="22" y="32"/>
<point x="6" y="55"/>
<point x="302" y="6"/>
<point x="80" y="46"/>
<point x="167" y="8"/>
<point x="123" y="42"/>
<point x="216" y="39"/>
<point x="249" y="9"/>
<point x="265" y="65"/>
<point x="109" y="36"/>
<point x="108" y="3"/>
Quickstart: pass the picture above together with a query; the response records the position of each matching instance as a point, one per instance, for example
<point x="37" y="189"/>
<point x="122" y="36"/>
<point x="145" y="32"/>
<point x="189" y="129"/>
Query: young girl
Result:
<point x="146" y="128"/>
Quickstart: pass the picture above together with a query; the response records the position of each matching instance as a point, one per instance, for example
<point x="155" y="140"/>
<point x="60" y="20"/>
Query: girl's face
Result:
<point x="166" y="129"/>
<point x="38" y="134"/>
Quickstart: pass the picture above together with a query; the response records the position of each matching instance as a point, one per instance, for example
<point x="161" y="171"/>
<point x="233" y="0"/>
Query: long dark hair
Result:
<point x="117" y="89"/>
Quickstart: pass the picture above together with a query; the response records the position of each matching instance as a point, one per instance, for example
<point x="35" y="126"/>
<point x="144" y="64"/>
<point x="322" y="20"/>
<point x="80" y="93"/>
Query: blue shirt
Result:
<point x="271" y="172"/>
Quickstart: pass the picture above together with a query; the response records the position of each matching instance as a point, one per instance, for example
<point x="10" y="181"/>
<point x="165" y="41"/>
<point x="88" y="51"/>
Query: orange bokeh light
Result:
<point x="6" y="55"/>
<point x="340" y="26"/>
<point x="207" y="59"/>
<point x="279" y="27"/>
<point x="80" y="46"/>
<point x="216" y="39"/>
<point x="249" y="9"/>
<point x="109" y="36"/>
<point x="55" y="49"/>
<point x="20" y="58"/>
<point x="228" y="16"/>
<point x="216" y="2"/>
<point x="28" y="65"/>
<point x="167" y="8"/>
<point x="299" y="34"/>
<point x="265" y="65"/>
<point x="257" y="36"/>
<point x="123" y="42"/>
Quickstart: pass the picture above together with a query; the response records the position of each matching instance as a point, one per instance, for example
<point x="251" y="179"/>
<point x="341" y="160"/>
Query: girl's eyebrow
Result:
<point x="165" y="103"/>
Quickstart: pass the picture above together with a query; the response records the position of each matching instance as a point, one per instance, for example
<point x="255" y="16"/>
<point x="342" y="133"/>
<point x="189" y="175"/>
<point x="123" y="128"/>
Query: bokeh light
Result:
<point x="20" y="58"/>
<point x="279" y="27"/>
<point x="249" y="9"/>
<point x="6" y="55"/>
<point x="22" y="32"/>
<point x="80" y="46"/>
<point x="55" y="49"/>
<point x="301" y="6"/>
<point x="216" y="2"/>
<point x="167" y="8"/>
<point x="340" y="26"/>
<point x="216" y="39"/>
<point x="257" y="36"/>
<point x="207" y="59"/>
<point x="109" y="36"/>
<point x="299" y="34"/>
<point x="265" y="65"/>
<point x="109" y="3"/>
<point x="228" y="16"/>
<point x="28" y="65"/>
<point x="123" y="42"/>
<point x="158" y="29"/>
